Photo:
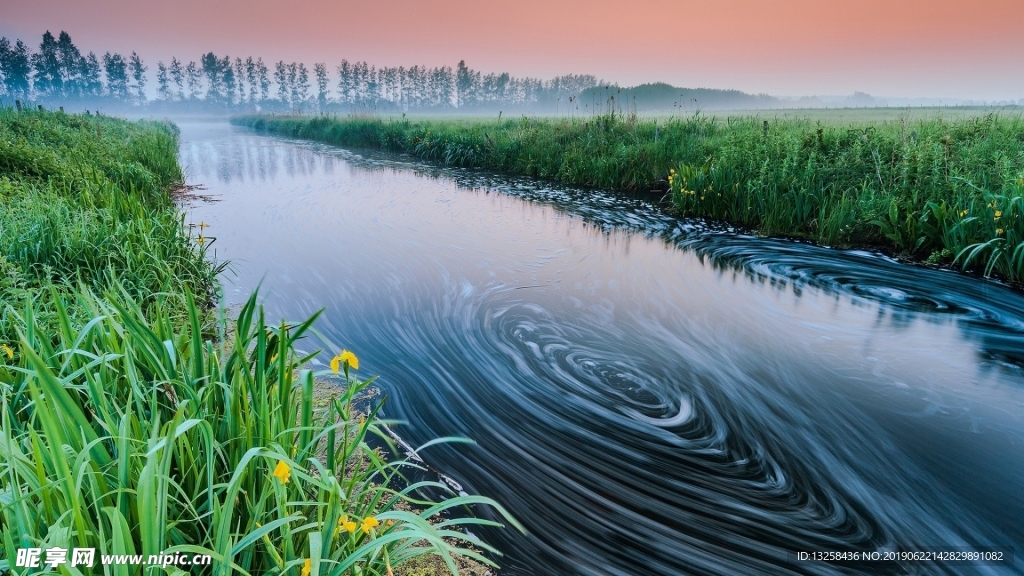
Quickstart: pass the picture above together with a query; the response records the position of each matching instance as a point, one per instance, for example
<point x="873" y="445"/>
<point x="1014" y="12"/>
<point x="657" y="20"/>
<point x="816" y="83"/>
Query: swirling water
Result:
<point x="648" y="395"/>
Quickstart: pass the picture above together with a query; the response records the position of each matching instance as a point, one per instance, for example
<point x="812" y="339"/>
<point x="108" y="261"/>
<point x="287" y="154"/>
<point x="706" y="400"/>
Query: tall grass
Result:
<point x="132" y="423"/>
<point x="930" y="189"/>
<point x="84" y="199"/>
<point x="134" y="436"/>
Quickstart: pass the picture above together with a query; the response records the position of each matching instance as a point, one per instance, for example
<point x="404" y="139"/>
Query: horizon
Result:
<point x="913" y="50"/>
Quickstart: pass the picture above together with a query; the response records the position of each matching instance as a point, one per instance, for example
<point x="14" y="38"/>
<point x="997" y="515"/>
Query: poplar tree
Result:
<point x="263" y="79"/>
<point x="345" y="82"/>
<point x="92" y="83"/>
<point x="16" y="68"/>
<point x="163" y="88"/>
<point x="194" y="79"/>
<point x="116" y="69"/>
<point x="69" y="62"/>
<point x="46" y="78"/>
<point x="178" y="77"/>
<point x="211" y="66"/>
<point x="281" y="78"/>
<point x="250" y="77"/>
<point x="138" y="72"/>
<point x="322" y="80"/>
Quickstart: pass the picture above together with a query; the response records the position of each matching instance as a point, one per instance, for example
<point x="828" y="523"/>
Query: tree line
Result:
<point x="58" y="72"/>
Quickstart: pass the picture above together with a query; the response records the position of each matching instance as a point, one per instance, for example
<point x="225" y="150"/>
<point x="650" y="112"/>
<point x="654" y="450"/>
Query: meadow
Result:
<point x="947" y="190"/>
<point x="137" y="419"/>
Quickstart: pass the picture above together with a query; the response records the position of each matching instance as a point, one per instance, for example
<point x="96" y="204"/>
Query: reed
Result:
<point x="943" y="191"/>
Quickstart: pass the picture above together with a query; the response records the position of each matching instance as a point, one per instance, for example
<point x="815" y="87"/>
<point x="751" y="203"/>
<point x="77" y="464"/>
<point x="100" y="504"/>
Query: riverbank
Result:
<point x="136" y="419"/>
<point x="947" y="192"/>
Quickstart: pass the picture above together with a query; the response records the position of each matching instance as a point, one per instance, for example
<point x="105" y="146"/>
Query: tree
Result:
<point x="228" y="79"/>
<point x="467" y="84"/>
<point x="281" y="77"/>
<point x="16" y="69"/>
<point x="178" y="77"/>
<point x="92" y="84"/>
<point x="138" y="72"/>
<point x="211" y="66"/>
<point x="194" y="80"/>
<point x="163" y="87"/>
<point x="116" y="69"/>
<point x="345" y="82"/>
<point x="263" y="79"/>
<point x="47" y="79"/>
<point x="239" y="80"/>
<point x="69" y="63"/>
<point x="322" y="80"/>
<point x="253" y="79"/>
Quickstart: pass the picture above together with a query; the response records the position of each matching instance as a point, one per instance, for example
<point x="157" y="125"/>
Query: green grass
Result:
<point x="950" y="191"/>
<point x="83" y="200"/>
<point x="133" y="422"/>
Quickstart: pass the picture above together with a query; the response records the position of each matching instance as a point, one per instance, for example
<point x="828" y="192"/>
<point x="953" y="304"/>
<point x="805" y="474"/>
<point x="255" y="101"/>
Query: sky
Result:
<point x="896" y="48"/>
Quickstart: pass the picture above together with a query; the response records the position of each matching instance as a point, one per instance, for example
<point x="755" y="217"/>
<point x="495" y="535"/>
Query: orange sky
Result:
<point x="940" y="48"/>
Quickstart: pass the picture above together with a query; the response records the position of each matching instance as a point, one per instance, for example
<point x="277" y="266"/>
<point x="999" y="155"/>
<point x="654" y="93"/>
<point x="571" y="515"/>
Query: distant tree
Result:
<point x="116" y="70"/>
<point x="292" y="79"/>
<point x="322" y="82"/>
<point x="443" y="80"/>
<point x="194" y="80"/>
<point x="345" y="86"/>
<point x="228" y="80"/>
<point x="92" y="83"/>
<point x="302" y="86"/>
<point x="138" y="73"/>
<point x="214" y="74"/>
<point x="16" y="68"/>
<point x="281" y="78"/>
<point x="69" y="62"/>
<point x="46" y="79"/>
<point x="467" y="84"/>
<point x="239" y="80"/>
<point x="263" y="79"/>
<point x="252" y="79"/>
<point x="178" y="77"/>
<point x="163" y="84"/>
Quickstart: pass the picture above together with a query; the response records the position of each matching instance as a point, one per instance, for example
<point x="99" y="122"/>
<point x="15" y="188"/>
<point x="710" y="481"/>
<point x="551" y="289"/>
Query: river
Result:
<point x="648" y="395"/>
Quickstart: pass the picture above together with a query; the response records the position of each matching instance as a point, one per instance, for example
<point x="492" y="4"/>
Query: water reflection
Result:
<point x="649" y="395"/>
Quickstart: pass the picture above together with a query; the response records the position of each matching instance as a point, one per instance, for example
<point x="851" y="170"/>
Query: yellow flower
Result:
<point x="307" y="567"/>
<point x="999" y="213"/>
<point x="283" y="471"/>
<point x="345" y="524"/>
<point x="7" y="350"/>
<point x="201" y="240"/>
<point x="369" y="523"/>
<point x="345" y="357"/>
<point x="963" y="213"/>
<point x="203" y="225"/>
<point x="999" y="231"/>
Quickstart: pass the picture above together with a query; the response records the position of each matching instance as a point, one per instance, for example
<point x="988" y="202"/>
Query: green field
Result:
<point x="137" y="420"/>
<point x="946" y="190"/>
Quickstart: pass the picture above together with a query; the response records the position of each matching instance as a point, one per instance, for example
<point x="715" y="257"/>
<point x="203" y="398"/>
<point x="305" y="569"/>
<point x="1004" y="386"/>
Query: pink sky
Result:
<point x="938" y="48"/>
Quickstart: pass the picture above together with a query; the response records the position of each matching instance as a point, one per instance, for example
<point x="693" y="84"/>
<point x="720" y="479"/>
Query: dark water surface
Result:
<point x="648" y="396"/>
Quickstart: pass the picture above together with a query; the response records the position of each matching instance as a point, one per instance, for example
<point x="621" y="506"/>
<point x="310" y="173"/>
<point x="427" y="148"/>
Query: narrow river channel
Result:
<point x="647" y="396"/>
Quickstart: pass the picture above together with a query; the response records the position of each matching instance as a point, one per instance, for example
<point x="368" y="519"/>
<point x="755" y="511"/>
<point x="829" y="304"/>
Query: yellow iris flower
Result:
<point x="369" y="523"/>
<point x="307" y="567"/>
<point x="999" y="213"/>
<point x="345" y="357"/>
<point x="282" y="471"/>
<point x="7" y="350"/>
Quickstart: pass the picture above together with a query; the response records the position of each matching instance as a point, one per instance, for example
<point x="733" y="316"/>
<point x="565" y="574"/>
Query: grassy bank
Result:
<point x="132" y="422"/>
<point x="946" y="191"/>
